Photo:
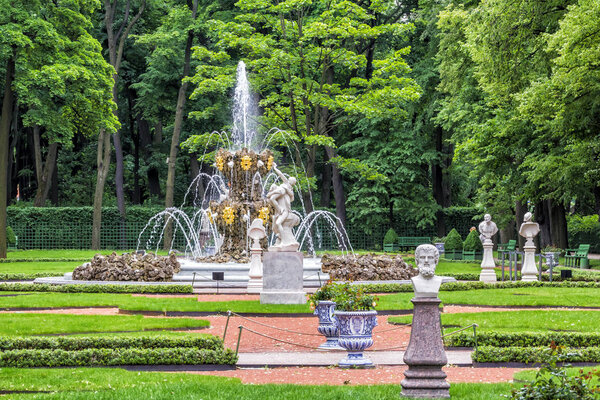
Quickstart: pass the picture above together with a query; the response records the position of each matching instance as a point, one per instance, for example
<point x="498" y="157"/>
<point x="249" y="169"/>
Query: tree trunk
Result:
<point x="45" y="181"/>
<point x="54" y="184"/>
<point x="326" y="184"/>
<point x="5" y="122"/>
<point x="338" y="189"/>
<point x="520" y="210"/>
<point x="558" y="225"/>
<point x="37" y="151"/>
<point x="146" y="141"/>
<point x="181" y="98"/>
<point x="597" y="198"/>
<point x="542" y="217"/>
<point x="103" y="166"/>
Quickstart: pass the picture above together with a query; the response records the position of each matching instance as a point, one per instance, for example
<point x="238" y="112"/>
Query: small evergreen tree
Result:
<point x="472" y="242"/>
<point x="11" y="239"/>
<point x="453" y="241"/>
<point x="390" y="237"/>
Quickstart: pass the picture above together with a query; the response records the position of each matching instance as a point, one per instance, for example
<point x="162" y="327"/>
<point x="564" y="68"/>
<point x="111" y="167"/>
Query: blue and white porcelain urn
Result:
<point x="328" y="325"/>
<point x="356" y="328"/>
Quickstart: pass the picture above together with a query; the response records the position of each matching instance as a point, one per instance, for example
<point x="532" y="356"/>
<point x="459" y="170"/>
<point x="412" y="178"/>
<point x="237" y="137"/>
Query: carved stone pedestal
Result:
<point x="283" y="281"/>
<point x="425" y="355"/>
<point x="488" y="274"/>
<point x="529" y="271"/>
<point x="255" y="281"/>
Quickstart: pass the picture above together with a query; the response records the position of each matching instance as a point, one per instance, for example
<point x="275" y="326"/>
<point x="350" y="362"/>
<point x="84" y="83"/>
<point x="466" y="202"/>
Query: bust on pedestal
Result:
<point x="425" y="355"/>
<point x="256" y="232"/>
<point x="529" y="230"/>
<point x="487" y="229"/>
<point x="283" y="277"/>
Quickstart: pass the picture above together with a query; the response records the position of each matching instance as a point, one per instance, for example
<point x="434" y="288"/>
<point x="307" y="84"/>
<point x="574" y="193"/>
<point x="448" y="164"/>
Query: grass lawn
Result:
<point x="520" y="321"/>
<point x="29" y="267"/>
<point x="43" y="324"/>
<point x="61" y="254"/>
<point x="108" y="383"/>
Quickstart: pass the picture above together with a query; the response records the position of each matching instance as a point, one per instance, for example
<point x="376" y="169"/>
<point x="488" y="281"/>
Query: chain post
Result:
<point x="239" y="339"/>
<point x="226" y="324"/>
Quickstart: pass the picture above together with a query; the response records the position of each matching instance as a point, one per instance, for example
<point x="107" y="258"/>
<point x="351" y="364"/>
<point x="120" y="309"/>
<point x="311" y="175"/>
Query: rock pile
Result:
<point x="225" y="258"/>
<point x="128" y="267"/>
<point x="367" y="267"/>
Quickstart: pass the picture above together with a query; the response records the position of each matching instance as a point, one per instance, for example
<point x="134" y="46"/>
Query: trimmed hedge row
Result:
<point x="75" y="288"/>
<point x="531" y="355"/>
<point x="460" y="286"/>
<point x="112" y="357"/>
<point x="116" y="342"/>
<point x="22" y="276"/>
<point x="502" y="339"/>
<point x="12" y="260"/>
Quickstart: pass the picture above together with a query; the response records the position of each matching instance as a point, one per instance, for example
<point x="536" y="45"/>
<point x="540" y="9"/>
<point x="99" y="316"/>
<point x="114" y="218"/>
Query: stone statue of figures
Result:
<point x="281" y="198"/>
<point x="487" y="228"/>
<point x="529" y="229"/>
<point x="427" y="284"/>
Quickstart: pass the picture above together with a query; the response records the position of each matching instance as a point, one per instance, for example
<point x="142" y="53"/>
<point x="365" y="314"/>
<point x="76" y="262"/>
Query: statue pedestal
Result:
<point x="283" y="281"/>
<point x="529" y="272"/>
<point x="488" y="274"/>
<point x="255" y="283"/>
<point x="425" y="355"/>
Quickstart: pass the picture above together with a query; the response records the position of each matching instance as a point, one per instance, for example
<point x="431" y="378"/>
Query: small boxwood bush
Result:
<point x="533" y="355"/>
<point x="35" y="287"/>
<point x="523" y="339"/>
<point x="111" y="357"/>
<point x="473" y="243"/>
<point x="11" y="239"/>
<point x="453" y="241"/>
<point x="391" y="237"/>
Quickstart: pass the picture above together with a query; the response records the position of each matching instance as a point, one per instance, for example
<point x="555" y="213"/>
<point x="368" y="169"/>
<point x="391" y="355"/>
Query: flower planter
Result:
<point x="328" y="326"/>
<point x="441" y="247"/>
<point x="453" y="254"/>
<point x="472" y="255"/>
<point x="356" y="328"/>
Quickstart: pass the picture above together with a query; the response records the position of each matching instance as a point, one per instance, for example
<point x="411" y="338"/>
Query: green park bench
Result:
<point x="505" y="248"/>
<point x="578" y="257"/>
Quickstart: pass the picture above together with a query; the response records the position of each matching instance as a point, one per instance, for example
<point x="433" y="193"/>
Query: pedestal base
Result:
<point x="529" y="272"/>
<point x="488" y="273"/>
<point x="283" y="280"/>
<point x="425" y="355"/>
<point x="356" y="360"/>
<point x="255" y="286"/>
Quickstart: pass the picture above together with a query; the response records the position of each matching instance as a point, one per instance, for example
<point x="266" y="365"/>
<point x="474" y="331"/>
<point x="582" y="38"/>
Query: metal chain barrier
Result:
<point x="271" y="326"/>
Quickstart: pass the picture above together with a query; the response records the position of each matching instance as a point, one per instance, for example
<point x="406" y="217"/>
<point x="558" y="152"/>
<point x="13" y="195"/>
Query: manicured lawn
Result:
<point x="119" y="384"/>
<point x="21" y="267"/>
<point x="42" y="324"/>
<point x="520" y="321"/>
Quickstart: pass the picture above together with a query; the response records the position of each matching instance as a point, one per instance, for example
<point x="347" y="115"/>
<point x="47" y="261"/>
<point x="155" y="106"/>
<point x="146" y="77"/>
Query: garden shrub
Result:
<point x="524" y="339"/>
<point x="390" y="237"/>
<point x="533" y="355"/>
<point x="112" y="357"/>
<point x="453" y="241"/>
<point x="473" y="243"/>
<point x="36" y="287"/>
<point x="11" y="239"/>
<point x="584" y="230"/>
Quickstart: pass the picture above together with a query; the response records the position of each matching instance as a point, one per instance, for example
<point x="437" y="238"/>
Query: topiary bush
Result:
<point x="453" y="241"/>
<point x="11" y="239"/>
<point x="472" y="242"/>
<point x="391" y="237"/>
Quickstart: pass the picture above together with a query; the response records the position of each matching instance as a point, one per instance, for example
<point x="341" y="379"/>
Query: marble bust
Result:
<point x="487" y="228"/>
<point x="529" y="229"/>
<point x="426" y="284"/>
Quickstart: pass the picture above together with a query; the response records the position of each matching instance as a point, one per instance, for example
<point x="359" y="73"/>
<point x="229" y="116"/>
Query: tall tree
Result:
<point x="116" y="38"/>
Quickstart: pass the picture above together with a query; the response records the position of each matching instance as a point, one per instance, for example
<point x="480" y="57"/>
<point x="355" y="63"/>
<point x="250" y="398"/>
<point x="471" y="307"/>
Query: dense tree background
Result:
<point x="394" y="108"/>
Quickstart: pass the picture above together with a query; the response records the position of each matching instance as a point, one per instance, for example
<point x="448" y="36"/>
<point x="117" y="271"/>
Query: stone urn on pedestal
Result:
<point x="356" y="319"/>
<point x="425" y="355"/>
<point x="256" y="232"/>
<point x="487" y="229"/>
<point x="324" y="308"/>
<point x="529" y="230"/>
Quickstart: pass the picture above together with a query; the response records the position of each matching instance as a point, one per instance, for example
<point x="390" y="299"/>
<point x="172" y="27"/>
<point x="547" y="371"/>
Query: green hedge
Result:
<point x="460" y="286"/>
<point x="35" y="287"/>
<point x="113" y="357"/>
<point x="21" y="276"/>
<point x="11" y="239"/>
<point x="531" y="355"/>
<point x="502" y="339"/>
<point x="103" y="342"/>
<point x="472" y="242"/>
<point x="390" y="237"/>
<point x="453" y="241"/>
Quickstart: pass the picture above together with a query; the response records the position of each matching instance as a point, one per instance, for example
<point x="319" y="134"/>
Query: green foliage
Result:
<point x="75" y="288"/>
<point x="326" y="292"/>
<point x="453" y="241"/>
<point x="533" y="355"/>
<point x="108" y="357"/>
<point x="350" y="297"/>
<point x="553" y="382"/>
<point x="11" y="239"/>
<point x="472" y="242"/>
<point x="391" y="237"/>
<point x="524" y="339"/>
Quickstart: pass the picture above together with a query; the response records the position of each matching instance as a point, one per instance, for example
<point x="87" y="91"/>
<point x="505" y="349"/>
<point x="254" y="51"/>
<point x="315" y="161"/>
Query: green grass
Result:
<point x="23" y="267"/>
<point x="44" y="324"/>
<point x="520" y="321"/>
<point x="107" y="383"/>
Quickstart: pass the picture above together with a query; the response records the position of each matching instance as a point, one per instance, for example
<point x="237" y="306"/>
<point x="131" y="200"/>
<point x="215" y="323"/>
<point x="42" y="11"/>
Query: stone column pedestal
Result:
<point x="283" y="278"/>
<point x="529" y="271"/>
<point x="488" y="274"/>
<point x="255" y="283"/>
<point x="425" y="355"/>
